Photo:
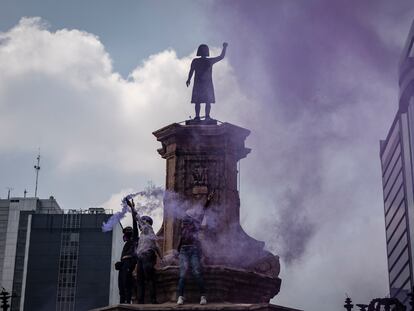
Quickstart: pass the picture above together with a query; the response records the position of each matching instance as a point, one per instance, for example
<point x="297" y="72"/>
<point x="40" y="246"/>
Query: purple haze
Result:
<point x="323" y="76"/>
<point x="305" y="63"/>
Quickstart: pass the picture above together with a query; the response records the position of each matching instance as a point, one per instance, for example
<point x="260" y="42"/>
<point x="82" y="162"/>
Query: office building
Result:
<point x="397" y="155"/>
<point x="12" y="236"/>
<point x="56" y="259"/>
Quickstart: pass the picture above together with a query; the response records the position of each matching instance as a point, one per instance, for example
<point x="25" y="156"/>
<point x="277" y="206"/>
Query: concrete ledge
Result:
<point x="189" y="307"/>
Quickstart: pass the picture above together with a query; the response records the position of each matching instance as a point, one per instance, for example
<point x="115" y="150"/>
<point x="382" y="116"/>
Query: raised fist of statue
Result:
<point x="225" y="44"/>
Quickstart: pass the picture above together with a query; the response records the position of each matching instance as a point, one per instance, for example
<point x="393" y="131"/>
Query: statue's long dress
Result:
<point x="203" y="90"/>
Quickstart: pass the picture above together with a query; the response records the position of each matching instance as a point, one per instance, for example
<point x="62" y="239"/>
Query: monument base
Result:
<point x="201" y="122"/>
<point x="207" y="307"/>
<point x="222" y="284"/>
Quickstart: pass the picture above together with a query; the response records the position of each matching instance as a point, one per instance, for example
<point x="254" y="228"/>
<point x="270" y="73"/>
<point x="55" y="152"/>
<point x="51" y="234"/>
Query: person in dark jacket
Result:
<point x="189" y="248"/>
<point x="128" y="261"/>
<point x="146" y="251"/>
<point x="203" y="90"/>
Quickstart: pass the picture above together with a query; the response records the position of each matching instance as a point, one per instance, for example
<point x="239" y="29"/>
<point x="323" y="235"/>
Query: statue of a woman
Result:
<point x="203" y="90"/>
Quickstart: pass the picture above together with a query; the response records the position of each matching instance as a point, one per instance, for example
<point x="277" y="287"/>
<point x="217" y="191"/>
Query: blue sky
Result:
<point x="130" y="30"/>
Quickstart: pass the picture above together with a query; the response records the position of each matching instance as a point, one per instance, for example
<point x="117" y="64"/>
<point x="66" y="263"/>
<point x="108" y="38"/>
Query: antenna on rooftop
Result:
<point x="9" y="189"/>
<point x="37" y="168"/>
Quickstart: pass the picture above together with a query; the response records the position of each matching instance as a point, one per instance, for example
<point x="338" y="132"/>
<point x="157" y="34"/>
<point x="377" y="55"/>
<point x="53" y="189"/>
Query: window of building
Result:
<point x="396" y="211"/>
<point x="395" y="181"/>
<point x="390" y="165"/>
<point x="402" y="278"/>
<point x="399" y="265"/>
<point x="392" y="141"/>
<point x="396" y="252"/>
<point x="394" y="236"/>
<point x="395" y="186"/>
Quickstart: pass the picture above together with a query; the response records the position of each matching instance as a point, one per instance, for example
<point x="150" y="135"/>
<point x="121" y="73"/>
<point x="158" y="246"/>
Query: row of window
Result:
<point x="69" y="236"/>
<point x="401" y="267"/>
<point x="395" y="215"/>
<point x="68" y="262"/>
<point x="63" y="299"/>
<point x="391" y="195"/>
<point x="67" y="279"/>
<point x="67" y="292"/>
<point x="395" y="231"/>
<point x="402" y="281"/>
<point x="69" y="224"/>
<point x="393" y="167"/>
<point x="66" y="255"/>
<point x="391" y="143"/>
<point x="395" y="253"/>
<point x="396" y="174"/>
<point x="394" y="148"/>
<point x="396" y="210"/>
<point x="64" y="285"/>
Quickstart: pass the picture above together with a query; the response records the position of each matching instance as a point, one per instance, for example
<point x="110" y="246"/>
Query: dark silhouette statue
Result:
<point x="203" y="90"/>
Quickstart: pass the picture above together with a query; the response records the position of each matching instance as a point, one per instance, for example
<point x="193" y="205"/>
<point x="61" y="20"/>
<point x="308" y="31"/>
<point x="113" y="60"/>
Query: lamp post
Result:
<point x="4" y="297"/>
<point x="348" y="304"/>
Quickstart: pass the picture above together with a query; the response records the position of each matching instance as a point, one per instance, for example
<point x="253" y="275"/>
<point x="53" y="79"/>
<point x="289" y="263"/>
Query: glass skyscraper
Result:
<point x="397" y="156"/>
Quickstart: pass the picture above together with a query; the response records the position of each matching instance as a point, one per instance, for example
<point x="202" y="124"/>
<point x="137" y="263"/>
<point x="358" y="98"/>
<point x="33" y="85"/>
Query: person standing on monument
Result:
<point x="128" y="261"/>
<point x="203" y="90"/>
<point x="147" y="252"/>
<point x="189" y="248"/>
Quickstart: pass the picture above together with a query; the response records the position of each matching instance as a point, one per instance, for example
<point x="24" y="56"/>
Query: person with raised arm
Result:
<point x="128" y="262"/>
<point x="189" y="248"/>
<point x="203" y="89"/>
<point x="146" y="252"/>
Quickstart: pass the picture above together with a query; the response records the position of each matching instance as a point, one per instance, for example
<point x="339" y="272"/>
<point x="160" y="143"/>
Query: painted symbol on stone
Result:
<point x="199" y="175"/>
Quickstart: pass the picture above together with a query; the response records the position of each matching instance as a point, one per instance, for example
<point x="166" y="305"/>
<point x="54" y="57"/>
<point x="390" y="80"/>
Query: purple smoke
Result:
<point x="323" y="79"/>
<point x="147" y="201"/>
<point x="319" y="74"/>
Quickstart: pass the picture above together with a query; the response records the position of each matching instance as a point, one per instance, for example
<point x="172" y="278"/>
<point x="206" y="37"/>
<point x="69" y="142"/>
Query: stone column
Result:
<point x="201" y="158"/>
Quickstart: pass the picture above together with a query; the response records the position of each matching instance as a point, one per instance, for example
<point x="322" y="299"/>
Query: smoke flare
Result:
<point x="149" y="200"/>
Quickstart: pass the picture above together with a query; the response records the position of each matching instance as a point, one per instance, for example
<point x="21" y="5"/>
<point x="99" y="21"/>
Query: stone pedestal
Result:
<point x="201" y="157"/>
<point x="223" y="284"/>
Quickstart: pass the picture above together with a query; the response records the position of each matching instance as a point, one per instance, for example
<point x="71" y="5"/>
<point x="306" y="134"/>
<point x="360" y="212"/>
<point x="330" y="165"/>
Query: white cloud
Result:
<point x="58" y="90"/>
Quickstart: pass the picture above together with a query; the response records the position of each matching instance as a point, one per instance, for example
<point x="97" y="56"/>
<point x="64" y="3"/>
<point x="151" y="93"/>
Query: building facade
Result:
<point x="70" y="262"/>
<point x="397" y="155"/>
<point x="57" y="260"/>
<point x="13" y="225"/>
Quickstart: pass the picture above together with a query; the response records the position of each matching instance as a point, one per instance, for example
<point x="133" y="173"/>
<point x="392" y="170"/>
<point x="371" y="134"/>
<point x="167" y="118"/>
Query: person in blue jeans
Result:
<point x="189" y="249"/>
